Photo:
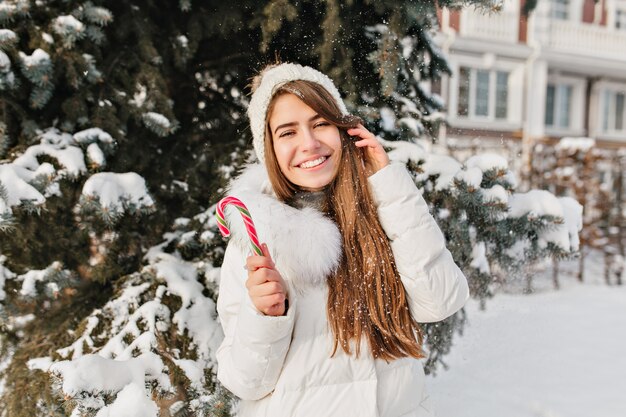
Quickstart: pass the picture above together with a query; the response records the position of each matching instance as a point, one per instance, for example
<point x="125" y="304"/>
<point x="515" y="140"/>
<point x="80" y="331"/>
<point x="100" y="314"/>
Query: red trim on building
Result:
<point x="589" y="8"/>
<point x="455" y="19"/>
<point x="522" y="34"/>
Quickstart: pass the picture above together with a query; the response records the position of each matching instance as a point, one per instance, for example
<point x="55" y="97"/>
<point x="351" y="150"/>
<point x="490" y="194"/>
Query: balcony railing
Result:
<point x="585" y="39"/>
<point x="501" y="27"/>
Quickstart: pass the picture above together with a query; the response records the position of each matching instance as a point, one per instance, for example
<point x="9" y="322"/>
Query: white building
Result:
<point x="561" y="72"/>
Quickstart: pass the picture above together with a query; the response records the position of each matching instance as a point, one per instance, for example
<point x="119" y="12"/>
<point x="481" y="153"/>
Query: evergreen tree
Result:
<point x="120" y="123"/>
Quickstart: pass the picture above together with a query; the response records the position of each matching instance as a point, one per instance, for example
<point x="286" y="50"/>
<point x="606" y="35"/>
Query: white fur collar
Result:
<point x="304" y="244"/>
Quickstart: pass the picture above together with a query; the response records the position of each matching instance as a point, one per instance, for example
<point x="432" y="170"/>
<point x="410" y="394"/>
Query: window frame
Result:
<point x="577" y="113"/>
<point x="616" y="15"/>
<point x="608" y="111"/>
<point x="620" y="18"/>
<point x="472" y="91"/>
<point x="559" y="88"/>
<point x="560" y="10"/>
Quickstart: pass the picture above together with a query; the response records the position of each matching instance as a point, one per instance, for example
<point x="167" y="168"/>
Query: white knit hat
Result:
<point x="271" y="80"/>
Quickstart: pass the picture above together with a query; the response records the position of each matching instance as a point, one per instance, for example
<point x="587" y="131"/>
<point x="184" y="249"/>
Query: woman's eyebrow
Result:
<point x="317" y="116"/>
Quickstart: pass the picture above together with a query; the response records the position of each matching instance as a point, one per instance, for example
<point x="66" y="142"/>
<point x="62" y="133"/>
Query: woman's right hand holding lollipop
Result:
<point x="266" y="287"/>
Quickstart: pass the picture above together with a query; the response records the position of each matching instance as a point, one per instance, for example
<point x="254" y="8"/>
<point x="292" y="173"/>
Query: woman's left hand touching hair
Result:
<point x="375" y="156"/>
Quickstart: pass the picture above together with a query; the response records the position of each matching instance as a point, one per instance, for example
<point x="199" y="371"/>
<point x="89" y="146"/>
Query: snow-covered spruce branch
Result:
<point x="404" y="64"/>
<point x="85" y="21"/>
<point x="481" y="214"/>
<point x="9" y="10"/>
<point x="159" y="124"/>
<point x="8" y="39"/>
<point x="30" y="286"/>
<point x="26" y="182"/>
<point x="159" y="331"/>
<point x="109" y="196"/>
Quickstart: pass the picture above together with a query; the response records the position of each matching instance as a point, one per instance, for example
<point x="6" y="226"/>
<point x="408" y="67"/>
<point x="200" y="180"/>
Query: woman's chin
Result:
<point x="314" y="181"/>
<point x="314" y="184"/>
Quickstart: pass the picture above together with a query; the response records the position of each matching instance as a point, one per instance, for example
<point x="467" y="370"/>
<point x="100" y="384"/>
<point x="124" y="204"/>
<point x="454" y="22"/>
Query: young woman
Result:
<point x="325" y="323"/>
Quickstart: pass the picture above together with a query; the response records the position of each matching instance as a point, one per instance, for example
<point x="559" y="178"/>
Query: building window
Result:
<point x="560" y="9"/>
<point x="558" y="105"/>
<point x="613" y="111"/>
<point x="502" y="97"/>
<point x="483" y="93"/>
<point x="620" y="19"/>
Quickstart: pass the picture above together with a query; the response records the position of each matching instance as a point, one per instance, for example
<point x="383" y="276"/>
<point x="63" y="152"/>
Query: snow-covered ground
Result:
<point x="552" y="353"/>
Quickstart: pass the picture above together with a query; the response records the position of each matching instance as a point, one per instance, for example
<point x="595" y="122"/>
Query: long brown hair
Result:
<point x="366" y="297"/>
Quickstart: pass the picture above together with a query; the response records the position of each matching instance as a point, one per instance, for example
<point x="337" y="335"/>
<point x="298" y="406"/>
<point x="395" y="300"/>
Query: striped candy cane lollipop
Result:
<point x="247" y="220"/>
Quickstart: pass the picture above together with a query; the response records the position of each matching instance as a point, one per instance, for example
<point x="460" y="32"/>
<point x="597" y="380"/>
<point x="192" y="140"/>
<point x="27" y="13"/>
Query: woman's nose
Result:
<point x="309" y="140"/>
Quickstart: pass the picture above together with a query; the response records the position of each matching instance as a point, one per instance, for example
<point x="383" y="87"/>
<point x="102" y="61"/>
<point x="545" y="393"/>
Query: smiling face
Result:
<point x="307" y="147"/>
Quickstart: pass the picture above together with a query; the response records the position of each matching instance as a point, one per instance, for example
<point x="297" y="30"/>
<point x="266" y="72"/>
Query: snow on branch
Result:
<point x="9" y="10"/>
<point x="486" y="162"/>
<point x="537" y="203"/>
<point x="414" y="125"/>
<point x="51" y="279"/>
<point x="29" y="286"/>
<point x="196" y="308"/>
<point x="94" y="138"/>
<point x="402" y="151"/>
<point x="93" y="373"/>
<point x="475" y="202"/>
<point x="471" y="176"/>
<point x="69" y="28"/>
<point x="572" y="220"/>
<point x="27" y="181"/>
<point x="37" y="67"/>
<point x="8" y="38"/>
<point x="95" y="156"/>
<point x="5" y="63"/>
<point x="123" y="346"/>
<point x="92" y="135"/>
<point x="7" y="77"/>
<point x="97" y="15"/>
<point x="5" y="274"/>
<point x="479" y="258"/>
<point x="110" y="195"/>
<point x="93" y="74"/>
<point x="70" y="157"/>
<point x="15" y="180"/>
<point x="159" y="124"/>
<point x="443" y="167"/>
<point x="497" y="194"/>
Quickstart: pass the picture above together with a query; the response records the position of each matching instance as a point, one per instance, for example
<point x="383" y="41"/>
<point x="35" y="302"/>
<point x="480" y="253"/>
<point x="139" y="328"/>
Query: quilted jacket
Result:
<point x="281" y="366"/>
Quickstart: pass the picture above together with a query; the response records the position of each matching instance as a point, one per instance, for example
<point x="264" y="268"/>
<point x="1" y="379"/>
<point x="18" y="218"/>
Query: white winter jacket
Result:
<point x="281" y="366"/>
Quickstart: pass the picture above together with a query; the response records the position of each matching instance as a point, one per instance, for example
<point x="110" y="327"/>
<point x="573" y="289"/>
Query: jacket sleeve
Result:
<point x="435" y="286"/>
<point x="251" y="357"/>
